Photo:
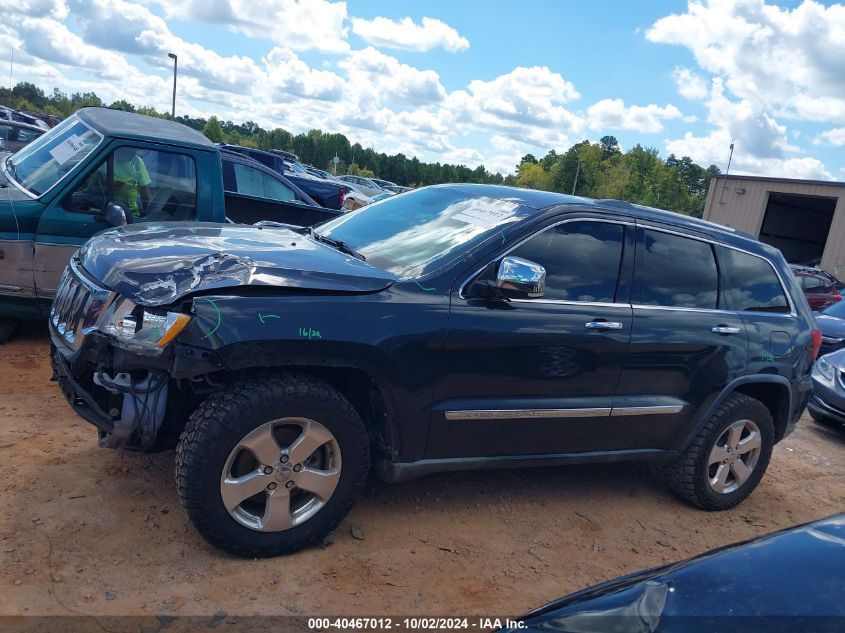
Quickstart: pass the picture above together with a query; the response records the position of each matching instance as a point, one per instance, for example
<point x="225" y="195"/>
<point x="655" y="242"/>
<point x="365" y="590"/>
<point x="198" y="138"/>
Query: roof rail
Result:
<point x="613" y="202"/>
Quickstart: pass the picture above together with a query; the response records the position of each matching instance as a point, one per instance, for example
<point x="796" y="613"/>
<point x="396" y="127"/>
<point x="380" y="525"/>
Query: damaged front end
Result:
<point x="112" y="361"/>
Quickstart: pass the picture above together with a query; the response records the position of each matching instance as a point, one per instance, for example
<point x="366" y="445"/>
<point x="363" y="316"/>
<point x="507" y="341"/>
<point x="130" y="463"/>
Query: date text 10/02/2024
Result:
<point x="415" y="623"/>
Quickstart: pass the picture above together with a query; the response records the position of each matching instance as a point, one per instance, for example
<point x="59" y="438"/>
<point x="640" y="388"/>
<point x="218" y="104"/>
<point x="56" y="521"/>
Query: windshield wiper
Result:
<point x="336" y="244"/>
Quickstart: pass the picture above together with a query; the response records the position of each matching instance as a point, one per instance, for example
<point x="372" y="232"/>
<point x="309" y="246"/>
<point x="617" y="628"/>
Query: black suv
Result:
<point x="453" y="327"/>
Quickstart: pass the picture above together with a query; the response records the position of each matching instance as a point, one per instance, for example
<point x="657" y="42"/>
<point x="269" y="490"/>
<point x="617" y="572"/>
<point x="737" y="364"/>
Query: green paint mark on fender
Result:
<point x="263" y="317"/>
<point x="424" y="288"/>
<point x="219" y="316"/>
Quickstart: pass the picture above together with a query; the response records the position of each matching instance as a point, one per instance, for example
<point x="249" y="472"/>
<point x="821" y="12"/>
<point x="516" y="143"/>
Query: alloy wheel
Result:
<point x="734" y="456"/>
<point x="281" y="474"/>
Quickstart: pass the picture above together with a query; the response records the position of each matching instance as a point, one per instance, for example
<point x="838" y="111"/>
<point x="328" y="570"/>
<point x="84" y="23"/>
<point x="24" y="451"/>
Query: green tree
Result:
<point x="214" y="131"/>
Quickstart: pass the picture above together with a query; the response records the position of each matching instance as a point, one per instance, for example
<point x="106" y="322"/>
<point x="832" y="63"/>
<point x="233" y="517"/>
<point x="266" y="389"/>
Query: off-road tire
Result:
<point x="824" y="420"/>
<point x="687" y="475"/>
<point x="221" y="421"/>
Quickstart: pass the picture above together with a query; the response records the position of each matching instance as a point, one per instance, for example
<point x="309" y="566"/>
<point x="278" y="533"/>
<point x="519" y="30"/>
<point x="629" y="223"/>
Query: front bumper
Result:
<point x="818" y="406"/>
<point x="77" y="396"/>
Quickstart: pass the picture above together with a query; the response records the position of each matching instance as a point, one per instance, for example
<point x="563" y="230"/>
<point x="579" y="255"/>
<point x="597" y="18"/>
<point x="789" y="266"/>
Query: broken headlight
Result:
<point x="143" y="330"/>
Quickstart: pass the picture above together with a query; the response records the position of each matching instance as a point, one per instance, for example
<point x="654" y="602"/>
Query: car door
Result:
<point x="537" y="376"/>
<point x="150" y="183"/>
<point x="685" y="343"/>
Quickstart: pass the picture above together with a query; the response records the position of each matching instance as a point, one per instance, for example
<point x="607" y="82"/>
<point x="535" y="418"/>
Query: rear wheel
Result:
<point x="271" y="464"/>
<point x="726" y="460"/>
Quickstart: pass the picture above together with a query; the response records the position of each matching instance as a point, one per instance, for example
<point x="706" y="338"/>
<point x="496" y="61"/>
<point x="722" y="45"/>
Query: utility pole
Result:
<point x="727" y="171"/>
<point x="577" y="171"/>
<point x="175" y="62"/>
<point x="11" y="66"/>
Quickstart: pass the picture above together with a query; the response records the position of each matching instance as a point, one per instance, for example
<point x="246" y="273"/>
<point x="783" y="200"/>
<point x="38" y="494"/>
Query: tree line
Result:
<point x="596" y="170"/>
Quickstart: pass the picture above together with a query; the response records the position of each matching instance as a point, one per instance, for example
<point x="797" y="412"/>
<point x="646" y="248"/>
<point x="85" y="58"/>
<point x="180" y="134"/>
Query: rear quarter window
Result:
<point x="750" y="283"/>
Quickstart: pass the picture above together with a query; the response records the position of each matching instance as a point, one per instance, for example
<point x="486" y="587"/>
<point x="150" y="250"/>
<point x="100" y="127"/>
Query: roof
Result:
<point x="542" y="200"/>
<point x="794" y="181"/>
<point x="138" y="126"/>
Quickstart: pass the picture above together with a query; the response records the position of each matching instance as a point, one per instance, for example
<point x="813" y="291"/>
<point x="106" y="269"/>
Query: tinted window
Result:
<point x="677" y="272"/>
<point x="750" y="283"/>
<point x="581" y="260"/>
<point x="253" y="182"/>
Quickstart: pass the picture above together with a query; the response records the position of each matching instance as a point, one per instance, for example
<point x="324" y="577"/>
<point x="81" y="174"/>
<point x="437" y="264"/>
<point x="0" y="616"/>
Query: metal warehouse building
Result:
<point x="805" y="219"/>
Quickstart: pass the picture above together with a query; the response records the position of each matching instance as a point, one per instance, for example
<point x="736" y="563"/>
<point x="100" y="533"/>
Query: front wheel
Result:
<point x="271" y="464"/>
<point x="727" y="458"/>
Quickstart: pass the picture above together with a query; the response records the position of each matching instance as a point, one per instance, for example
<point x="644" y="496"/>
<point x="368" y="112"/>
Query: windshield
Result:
<point x="835" y="310"/>
<point x="44" y="162"/>
<point x="417" y="233"/>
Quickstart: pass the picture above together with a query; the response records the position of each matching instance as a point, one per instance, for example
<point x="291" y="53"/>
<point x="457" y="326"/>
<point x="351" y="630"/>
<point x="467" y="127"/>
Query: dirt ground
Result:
<point x="92" y="531"/>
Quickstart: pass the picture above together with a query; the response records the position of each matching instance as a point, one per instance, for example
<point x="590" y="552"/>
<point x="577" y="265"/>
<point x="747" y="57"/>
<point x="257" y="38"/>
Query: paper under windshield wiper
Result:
<point x="339" y="245"/>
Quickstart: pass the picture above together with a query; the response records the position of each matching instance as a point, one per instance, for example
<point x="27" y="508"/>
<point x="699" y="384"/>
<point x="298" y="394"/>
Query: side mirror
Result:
<point x="521" y="276"/>
<point x="115" y="215"/>
<point x="85" y="202"/>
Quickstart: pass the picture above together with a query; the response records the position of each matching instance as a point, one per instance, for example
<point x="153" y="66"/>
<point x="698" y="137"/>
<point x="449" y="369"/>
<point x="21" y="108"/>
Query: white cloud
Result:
<point x="467" y="156"/>
<point x="766" y="64"/>
<point x="690" y="84"/>
<point x="611" y="114"/>
<point x="296" y="24"/>
<point x="374" y="77"/>
<point x="524" y="105"/>
<point x="407" y="35"/>
<point x="789" y="59"/>
<point x="290" y="75"/>
<point x="836" y="136"/>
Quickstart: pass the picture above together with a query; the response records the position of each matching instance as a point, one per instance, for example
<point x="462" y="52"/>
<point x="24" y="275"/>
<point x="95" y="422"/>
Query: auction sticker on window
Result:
<point x="487" y="216"/>
<point x="67" y="149"/>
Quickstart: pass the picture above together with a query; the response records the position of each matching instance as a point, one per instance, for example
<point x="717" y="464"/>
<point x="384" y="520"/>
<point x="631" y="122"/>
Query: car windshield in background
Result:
<point x="415" y="234"/>
<point x="835" y="310"/>
<point x="44" y="162"/>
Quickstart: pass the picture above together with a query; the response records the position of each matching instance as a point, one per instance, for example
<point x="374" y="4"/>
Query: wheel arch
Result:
<point x="773" y="391"/>
<point x="363" y="386"/>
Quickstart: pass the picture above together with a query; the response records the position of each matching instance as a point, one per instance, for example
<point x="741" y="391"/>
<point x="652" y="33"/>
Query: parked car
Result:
<point x="319" y="173"/>
<point x="15" y="135"/>
<point x="259" y="188"/>
<point x="831" y="322"/>
<point x="788" y="581"/>
<point x="384" y="184"/>
<point x="101" y="168"/>
<point x="328" y="194"/>
<point x="398" y="189"/>
<point x="818" y="289"/>
<point x="453" y="327"/>
<point x="8" y="114"/>
<point x="365" y="185"/>
<point x="827" y="404"/>
<point x="831" y="279"/>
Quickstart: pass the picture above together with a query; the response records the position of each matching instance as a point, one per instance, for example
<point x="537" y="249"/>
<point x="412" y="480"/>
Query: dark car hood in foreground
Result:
<point x="830" y="325"/>
<point x="788" y="581"/>
<point x="156" y="264"/>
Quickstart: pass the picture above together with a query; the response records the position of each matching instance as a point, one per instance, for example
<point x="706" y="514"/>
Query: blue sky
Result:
<point x="469" y="81"/>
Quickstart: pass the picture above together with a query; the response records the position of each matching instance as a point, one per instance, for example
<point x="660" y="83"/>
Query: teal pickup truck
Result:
<point x="101" y="168"/>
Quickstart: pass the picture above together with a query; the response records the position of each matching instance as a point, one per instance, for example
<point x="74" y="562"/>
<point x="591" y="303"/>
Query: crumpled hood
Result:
<point x="156" y="264"/>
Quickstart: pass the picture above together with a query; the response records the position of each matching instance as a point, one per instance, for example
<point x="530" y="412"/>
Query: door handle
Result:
<point x="725" y="329"/>
<point x="603" y="325"/>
